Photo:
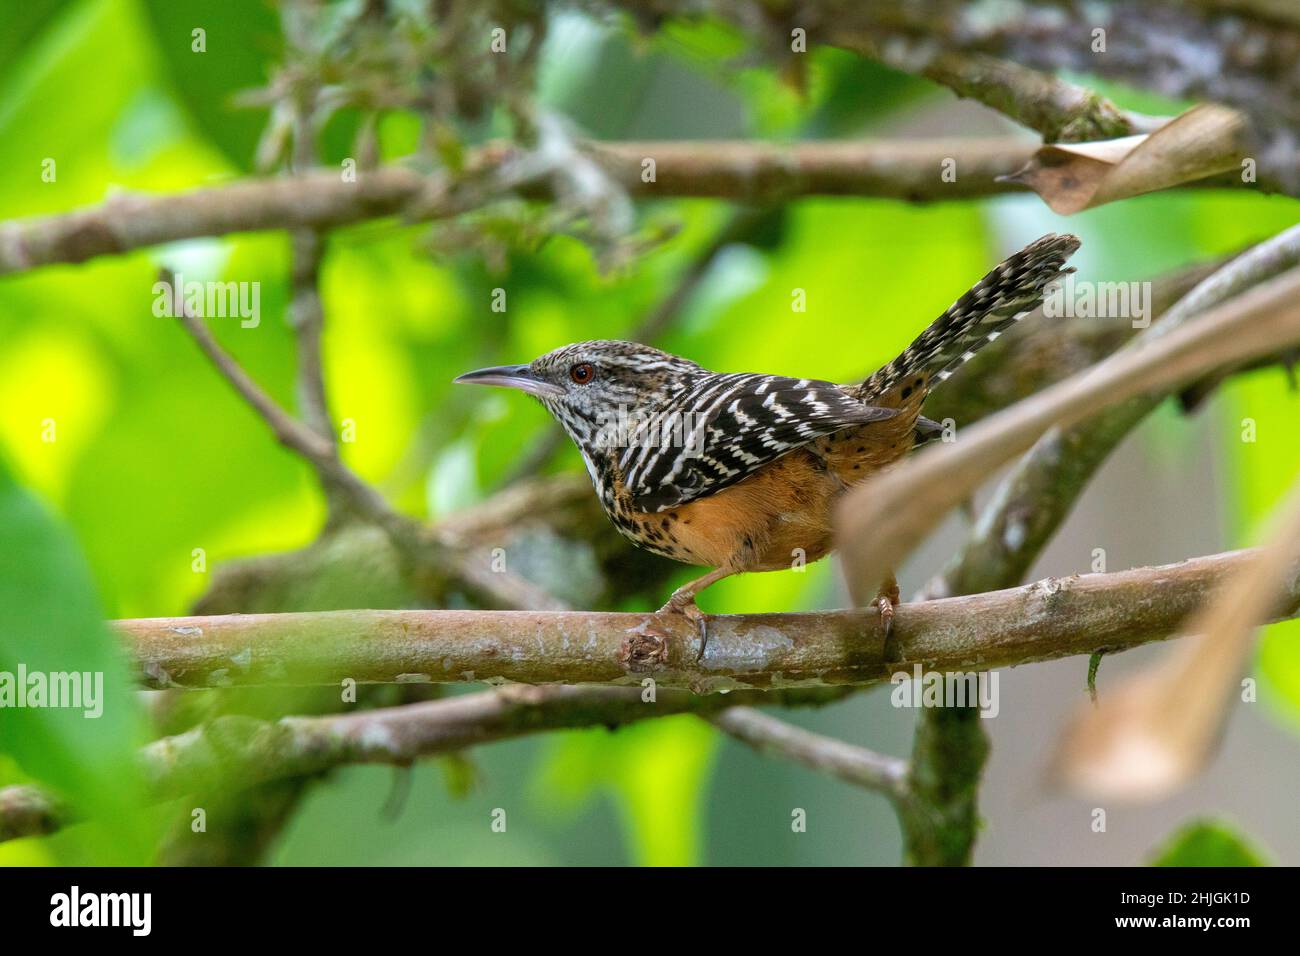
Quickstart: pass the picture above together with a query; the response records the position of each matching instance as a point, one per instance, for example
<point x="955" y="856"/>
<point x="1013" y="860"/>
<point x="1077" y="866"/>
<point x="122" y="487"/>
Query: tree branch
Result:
<point x="993" y="54"/>
<point x="1147" y="44"/>
<point x="940" y="817"/>
<point x="856" y="765"/>
<point x="1059" y="110"/>
<point x="320" y="451"/>
<point x="233" y="752"/>
<point x="307" y="318"/>
<point x="744" y="171"/>
<point x="1044" y="620"/>
<point x="28" y="811"/>
<point x="306" y="315"/>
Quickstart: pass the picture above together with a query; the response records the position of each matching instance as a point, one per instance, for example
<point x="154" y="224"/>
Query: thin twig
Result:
<point x="290" y="432"/>
<point x="306" y="315"/>
<point x="856" y="765"/>
<point x="425" y="547"/>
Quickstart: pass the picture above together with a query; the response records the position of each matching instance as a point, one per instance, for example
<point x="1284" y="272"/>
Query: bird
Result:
<point x="740" y="472"/>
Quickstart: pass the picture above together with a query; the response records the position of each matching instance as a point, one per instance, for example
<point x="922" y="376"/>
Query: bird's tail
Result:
<point x="1005" y="295"/>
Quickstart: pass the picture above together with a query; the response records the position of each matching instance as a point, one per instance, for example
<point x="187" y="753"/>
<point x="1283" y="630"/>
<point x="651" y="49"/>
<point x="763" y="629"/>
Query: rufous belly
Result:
<point x="781" y="515"/>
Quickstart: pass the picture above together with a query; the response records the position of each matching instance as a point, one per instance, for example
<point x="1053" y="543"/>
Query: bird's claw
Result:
<point x="686" y="606"/>
<point x="886" y="608"/>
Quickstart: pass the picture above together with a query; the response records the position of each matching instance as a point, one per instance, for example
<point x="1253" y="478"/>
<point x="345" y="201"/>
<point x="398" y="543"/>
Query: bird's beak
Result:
<point x="511" y="376"/>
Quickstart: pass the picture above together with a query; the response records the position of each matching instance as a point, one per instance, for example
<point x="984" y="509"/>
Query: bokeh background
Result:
<point x="155" y="456"/>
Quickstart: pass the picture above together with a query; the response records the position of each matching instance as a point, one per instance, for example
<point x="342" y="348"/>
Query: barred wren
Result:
<point x="739" y="472"/>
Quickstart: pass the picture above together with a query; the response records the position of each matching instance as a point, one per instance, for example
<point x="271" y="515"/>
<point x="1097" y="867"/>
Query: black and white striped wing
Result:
<point x="732" y="425"/>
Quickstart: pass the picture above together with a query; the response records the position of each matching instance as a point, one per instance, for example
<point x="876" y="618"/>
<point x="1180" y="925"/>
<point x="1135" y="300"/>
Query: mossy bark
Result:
<point x="940" y="816"/>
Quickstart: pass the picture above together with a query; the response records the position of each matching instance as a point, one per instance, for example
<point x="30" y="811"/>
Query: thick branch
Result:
<point x="1059" y="110"/>
<point x="940" y="817"/>
<point x="1047" y="619"/>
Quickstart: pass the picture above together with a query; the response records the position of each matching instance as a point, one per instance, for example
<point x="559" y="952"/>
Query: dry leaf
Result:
<point x="1206" y="140"/>
<point x="1154" y="731"/>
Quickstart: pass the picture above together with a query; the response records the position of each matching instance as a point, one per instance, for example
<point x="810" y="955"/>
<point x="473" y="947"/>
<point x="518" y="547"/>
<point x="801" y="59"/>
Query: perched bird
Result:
<point x="738" y="471"/>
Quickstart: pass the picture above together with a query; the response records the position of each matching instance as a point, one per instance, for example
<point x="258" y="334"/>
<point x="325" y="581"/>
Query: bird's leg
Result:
<point x="886" y="600"/>
<point x="683" y="602"/>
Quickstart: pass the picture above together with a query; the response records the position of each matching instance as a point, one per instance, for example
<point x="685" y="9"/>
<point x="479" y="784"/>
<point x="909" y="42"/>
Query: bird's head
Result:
<point x="590" y="386"/>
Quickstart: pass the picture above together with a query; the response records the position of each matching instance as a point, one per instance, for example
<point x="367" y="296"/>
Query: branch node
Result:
<point x="644" y="650"/>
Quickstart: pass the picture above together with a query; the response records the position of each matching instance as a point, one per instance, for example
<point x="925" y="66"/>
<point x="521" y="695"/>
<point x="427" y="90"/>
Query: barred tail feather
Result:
<point x="1004" y="296"/>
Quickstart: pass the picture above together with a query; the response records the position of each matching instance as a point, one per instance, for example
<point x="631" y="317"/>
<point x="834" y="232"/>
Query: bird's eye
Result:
<point x="582" y="373"/>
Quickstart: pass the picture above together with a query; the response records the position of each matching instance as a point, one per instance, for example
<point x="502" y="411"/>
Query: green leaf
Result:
<point x="242" y="40"/>
<point x="20" y="23"/>
<point x="1207" y="843"/>
<point x="50" y="624"/>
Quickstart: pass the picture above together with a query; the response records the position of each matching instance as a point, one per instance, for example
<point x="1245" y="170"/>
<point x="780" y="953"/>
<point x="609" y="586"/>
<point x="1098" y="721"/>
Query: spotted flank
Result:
<point x="1016" y="287"/>
<point x="739" y="422"/>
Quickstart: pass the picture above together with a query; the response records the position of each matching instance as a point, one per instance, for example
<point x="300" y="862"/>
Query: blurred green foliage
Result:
<point x="156" y="458"/>
<point x="1207" y="843"/>
<point x="51" y="624"/>
<point x="242" y="40"/>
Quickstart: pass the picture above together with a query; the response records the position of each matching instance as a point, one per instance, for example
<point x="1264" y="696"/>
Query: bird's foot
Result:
<point x="683" y="602"/>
